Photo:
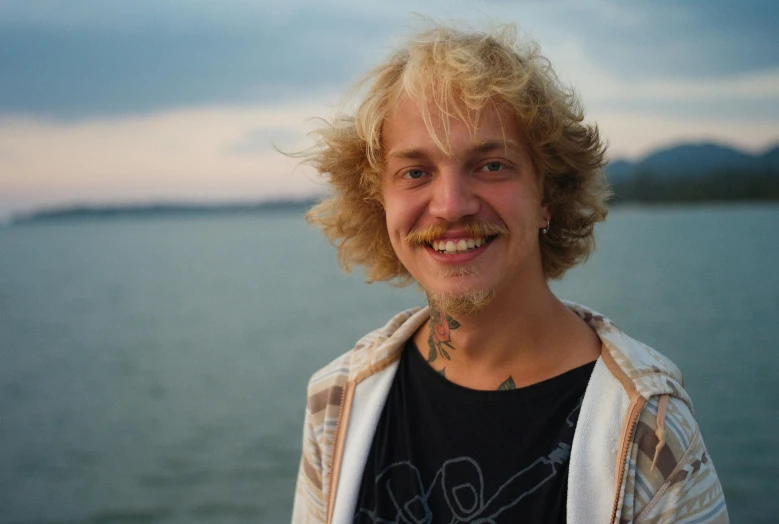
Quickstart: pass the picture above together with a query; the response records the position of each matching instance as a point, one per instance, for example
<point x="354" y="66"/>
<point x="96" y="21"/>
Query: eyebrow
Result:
<point x="415" y="153"/>
<point x="487" y="147"/>
<point x="407" y="154"/>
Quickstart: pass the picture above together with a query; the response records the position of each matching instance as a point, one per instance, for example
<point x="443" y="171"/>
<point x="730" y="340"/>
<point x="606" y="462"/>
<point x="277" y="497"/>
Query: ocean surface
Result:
<point x="154" y="370"/>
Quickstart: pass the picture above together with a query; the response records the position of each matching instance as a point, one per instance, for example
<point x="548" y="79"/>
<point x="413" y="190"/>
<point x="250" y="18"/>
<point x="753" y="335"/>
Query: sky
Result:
<point x="111" y="101"/>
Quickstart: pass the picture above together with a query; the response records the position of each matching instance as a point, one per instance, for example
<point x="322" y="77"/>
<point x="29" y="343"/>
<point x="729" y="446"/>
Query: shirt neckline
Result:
<point x="564" y="381"/>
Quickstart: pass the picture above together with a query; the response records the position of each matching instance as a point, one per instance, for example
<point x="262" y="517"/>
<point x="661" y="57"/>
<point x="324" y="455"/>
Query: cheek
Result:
<point x="523" y="201"/>
<point x="401" y="211"/>
<point x="396" y="228"/>
<point x="520" y="213"/>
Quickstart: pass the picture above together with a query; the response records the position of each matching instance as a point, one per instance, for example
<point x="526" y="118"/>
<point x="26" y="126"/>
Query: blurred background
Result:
<point x="162" y="302"/>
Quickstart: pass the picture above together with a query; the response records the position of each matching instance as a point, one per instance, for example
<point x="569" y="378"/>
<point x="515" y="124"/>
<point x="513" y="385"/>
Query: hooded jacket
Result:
<point x="637" y="454"/>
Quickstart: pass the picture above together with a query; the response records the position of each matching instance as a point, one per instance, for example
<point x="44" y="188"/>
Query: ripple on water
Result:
<point x="122" y="516"/>
<point x="180" y="479"/>
<point x="216" y="509"/>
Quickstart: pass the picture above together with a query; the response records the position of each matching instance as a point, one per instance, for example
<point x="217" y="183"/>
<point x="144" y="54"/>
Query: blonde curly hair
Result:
<point x="458" y="73"/>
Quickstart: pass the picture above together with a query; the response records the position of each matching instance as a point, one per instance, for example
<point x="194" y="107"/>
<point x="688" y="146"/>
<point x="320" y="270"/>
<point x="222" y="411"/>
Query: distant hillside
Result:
<point x="771" y="158"/>
<point x="156" y="210"/>
<point x="693" y="172"/>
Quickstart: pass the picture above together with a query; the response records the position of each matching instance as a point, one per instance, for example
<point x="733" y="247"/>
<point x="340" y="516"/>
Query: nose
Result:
<point x="453" y="197"/>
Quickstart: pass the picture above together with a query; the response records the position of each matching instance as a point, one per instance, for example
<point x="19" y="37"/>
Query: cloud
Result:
<point x="753" y="96"/>
<point x="86" y="58"/>
<point x="260" y="139"/>
<point x="695" y="38"/>
<point x="176" y="155"/>
<point x="634" y="134"/>
<point x="762" y="85"/>
<point x="81" y="67"/>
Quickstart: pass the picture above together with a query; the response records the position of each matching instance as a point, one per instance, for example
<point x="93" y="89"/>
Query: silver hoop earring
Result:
<point x="545" y="230"/>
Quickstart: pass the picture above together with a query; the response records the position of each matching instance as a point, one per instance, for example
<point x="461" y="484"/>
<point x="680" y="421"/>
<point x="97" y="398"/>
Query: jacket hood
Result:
<point x="650" y="372"/>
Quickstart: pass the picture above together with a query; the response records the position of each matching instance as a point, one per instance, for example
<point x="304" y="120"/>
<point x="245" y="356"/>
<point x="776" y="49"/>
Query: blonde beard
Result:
<point x="463" y="304"/>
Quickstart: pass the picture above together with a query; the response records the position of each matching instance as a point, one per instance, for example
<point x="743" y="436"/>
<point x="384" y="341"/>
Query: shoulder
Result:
<point x="373" y="348"/>
<point x="647" y="370"/>
<point x="326" y="392"/>
<point x="670" y="475"/>
<point x="634" y="357"/>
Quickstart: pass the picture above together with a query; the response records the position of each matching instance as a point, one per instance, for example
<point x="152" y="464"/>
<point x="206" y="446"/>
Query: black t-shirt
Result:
<point x="445" y="453"/>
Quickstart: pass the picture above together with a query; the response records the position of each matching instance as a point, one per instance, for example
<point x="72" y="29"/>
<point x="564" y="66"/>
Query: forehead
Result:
<point x="414" y="125"/>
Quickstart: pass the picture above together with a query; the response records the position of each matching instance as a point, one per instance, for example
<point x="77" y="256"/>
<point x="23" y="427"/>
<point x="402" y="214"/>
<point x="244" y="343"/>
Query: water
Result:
<point x="155" y="370"/>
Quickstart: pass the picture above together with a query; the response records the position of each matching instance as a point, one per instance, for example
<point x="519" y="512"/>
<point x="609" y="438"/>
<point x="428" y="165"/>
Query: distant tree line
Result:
<point x="696" y="172"/>
<point x="724" y="185"/>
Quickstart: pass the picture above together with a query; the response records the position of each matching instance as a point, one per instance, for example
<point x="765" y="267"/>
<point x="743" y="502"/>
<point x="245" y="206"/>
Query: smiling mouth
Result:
<point x="450" y="247"/>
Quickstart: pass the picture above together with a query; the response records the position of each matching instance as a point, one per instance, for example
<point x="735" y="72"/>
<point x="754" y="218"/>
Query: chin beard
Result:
<point x="461" y="305"/>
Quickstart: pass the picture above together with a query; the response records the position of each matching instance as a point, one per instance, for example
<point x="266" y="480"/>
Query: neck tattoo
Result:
<point x="440" y="339"/>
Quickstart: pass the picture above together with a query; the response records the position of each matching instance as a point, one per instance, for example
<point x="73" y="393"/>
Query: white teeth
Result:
<point x="450" y="246"/>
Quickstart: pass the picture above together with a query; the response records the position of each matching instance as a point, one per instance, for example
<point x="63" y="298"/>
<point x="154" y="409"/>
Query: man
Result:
<point x="468" y="169"/>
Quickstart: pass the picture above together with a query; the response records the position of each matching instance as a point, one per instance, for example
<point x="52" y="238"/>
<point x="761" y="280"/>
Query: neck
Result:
<point x="519" y="339"/>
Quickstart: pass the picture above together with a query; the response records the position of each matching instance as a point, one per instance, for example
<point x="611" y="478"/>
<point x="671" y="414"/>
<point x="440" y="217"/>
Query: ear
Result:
<point x="544" y="216"/>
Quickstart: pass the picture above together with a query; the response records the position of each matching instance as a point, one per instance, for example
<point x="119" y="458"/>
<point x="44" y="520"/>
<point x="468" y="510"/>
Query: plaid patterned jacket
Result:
<point x="637" y="455"/>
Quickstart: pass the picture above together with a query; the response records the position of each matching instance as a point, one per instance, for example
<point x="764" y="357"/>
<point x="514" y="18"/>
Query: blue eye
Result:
<point x="414" y="174"/>
<point x="492" y="166"/>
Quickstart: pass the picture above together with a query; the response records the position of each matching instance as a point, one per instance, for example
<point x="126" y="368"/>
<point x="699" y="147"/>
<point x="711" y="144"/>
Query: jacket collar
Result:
<point x="648" y="372"/>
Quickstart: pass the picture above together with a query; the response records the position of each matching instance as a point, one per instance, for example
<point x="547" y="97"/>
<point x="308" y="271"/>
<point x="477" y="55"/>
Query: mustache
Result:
<point x="433" y="232"/>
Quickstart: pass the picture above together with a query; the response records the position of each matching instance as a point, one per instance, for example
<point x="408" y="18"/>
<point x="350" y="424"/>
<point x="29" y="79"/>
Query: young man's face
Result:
<point x="488" y="179"/>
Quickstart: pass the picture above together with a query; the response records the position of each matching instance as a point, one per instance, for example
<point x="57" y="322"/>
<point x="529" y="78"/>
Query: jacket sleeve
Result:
<point x="675" y="479"/>
<point x="309" y="504"/>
